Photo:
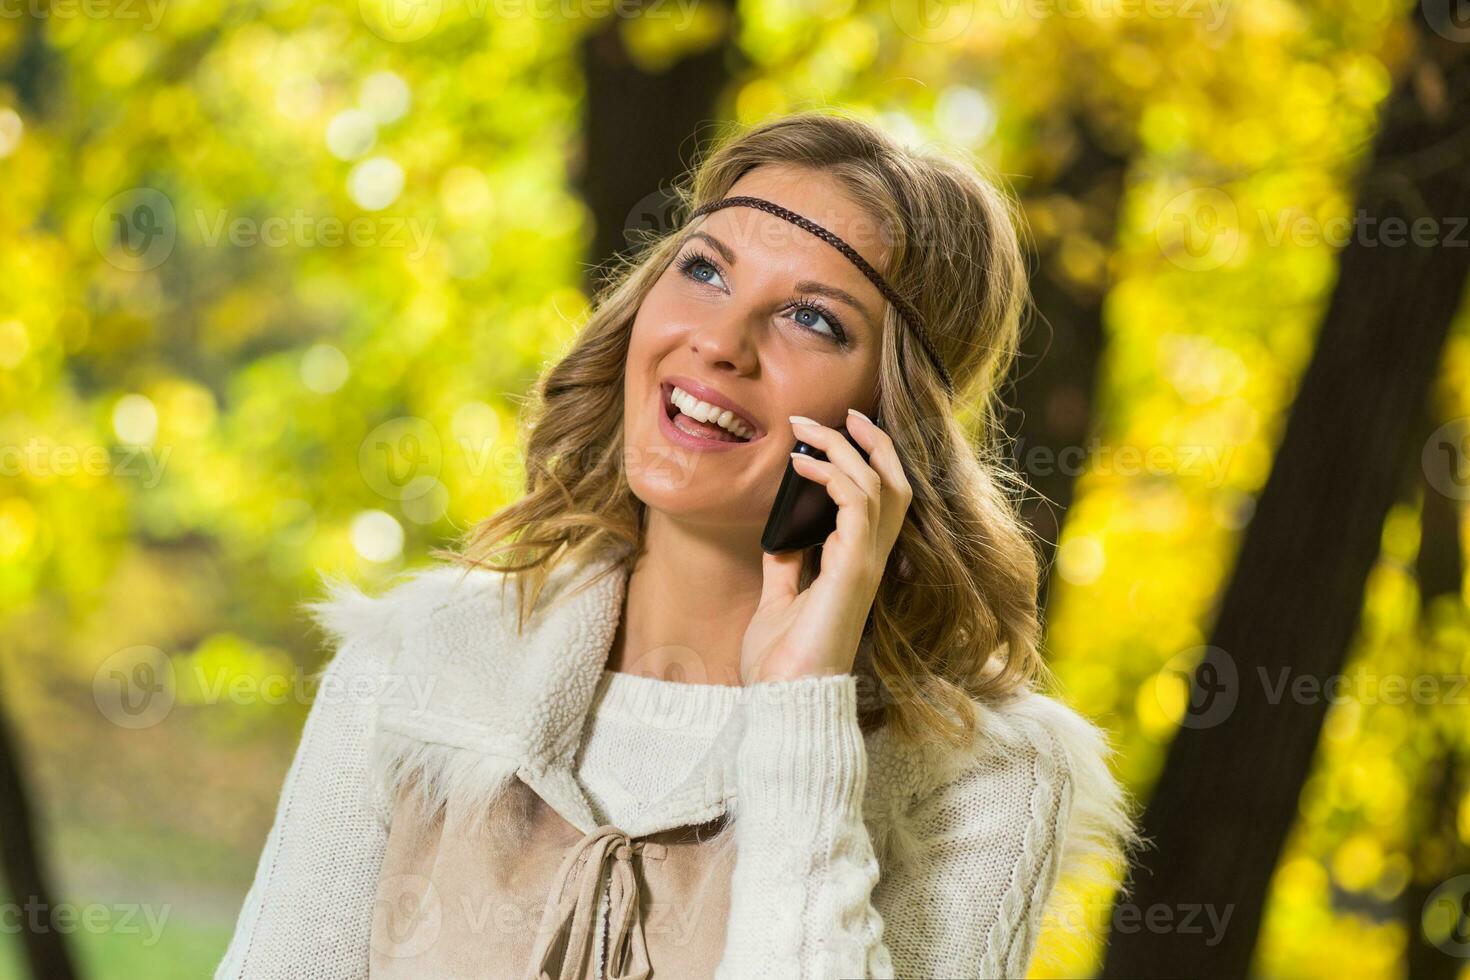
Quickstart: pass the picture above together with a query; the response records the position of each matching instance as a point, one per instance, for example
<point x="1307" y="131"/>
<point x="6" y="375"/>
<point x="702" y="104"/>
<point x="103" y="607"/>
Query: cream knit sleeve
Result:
<point x="801" y="889"/>
<point x="974" y="859"/>
<point x="983" y="853"/>
<point x="308" y="913"/>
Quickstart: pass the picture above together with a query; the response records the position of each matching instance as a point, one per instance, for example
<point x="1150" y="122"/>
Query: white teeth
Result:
<point x="705" y="412"/>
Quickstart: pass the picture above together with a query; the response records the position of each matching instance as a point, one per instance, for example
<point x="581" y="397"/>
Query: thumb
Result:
<point x="780" y="576"/>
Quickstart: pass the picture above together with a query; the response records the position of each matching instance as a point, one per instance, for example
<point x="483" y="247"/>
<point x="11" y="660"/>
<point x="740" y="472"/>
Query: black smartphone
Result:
<point x="804" y="513"/>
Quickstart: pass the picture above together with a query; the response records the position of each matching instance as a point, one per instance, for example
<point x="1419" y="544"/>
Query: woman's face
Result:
<point x="761" y="317"/>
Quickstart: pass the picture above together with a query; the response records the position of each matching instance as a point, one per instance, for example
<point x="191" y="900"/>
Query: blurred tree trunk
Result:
<point x="1228" y="792"/>
<point x="1436" y="852"/>
<point x="28" y="64"/>
<point x="25" y="878"/>
<point x="1074" y="218"/>
<point x="639" y="130"/>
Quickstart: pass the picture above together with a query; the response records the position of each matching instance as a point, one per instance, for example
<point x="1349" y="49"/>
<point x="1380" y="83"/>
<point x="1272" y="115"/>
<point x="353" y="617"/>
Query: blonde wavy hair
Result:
<point x="955" y="619"/>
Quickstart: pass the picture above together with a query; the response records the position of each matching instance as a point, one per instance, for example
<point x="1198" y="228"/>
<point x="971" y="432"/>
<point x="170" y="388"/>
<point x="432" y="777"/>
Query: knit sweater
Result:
<point x="643" y="737"/>
<point x="857" y="855"/>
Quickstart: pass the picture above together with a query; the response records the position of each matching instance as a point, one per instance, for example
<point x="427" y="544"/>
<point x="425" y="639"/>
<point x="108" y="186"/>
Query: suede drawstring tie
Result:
<point x="575" y="918"/>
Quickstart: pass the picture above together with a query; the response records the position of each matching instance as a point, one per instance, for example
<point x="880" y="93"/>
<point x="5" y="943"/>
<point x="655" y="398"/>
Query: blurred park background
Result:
<point x="274" y="277"/>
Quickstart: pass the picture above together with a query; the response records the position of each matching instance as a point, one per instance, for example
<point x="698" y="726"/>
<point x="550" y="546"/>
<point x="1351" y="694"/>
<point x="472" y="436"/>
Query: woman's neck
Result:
<point x="688" y="601"/>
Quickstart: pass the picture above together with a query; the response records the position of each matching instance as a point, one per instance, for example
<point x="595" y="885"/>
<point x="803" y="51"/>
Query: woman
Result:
<point x="612" y="737"/>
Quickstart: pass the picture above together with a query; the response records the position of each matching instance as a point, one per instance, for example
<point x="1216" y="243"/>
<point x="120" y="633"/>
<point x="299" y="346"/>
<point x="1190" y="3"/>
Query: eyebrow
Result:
<point x="805" y="285"/>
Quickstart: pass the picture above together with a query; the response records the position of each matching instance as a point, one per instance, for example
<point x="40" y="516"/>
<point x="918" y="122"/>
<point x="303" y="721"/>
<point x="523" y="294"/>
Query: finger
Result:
<point x="883" y="457"/>
<point x="780" y="577"/>
<point x="854" y="521"/>
<point x="842" y="453"/>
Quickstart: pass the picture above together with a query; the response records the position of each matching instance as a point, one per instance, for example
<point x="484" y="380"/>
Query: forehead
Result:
<point x="819" y="199"/>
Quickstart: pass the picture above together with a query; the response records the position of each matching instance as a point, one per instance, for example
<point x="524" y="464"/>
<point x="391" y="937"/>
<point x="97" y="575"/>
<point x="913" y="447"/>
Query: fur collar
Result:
<point x="489" y="704"/>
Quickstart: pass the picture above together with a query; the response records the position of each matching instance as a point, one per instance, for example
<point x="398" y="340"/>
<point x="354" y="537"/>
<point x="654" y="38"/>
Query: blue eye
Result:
<point x="834" y="330"/>
<point x="692" y="264"/>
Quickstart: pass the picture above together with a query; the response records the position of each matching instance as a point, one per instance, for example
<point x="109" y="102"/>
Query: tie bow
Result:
<point x="566" y="935"/>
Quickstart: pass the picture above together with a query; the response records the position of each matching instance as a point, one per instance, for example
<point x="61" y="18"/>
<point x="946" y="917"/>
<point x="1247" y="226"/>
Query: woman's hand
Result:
<point x="816" y="632"/>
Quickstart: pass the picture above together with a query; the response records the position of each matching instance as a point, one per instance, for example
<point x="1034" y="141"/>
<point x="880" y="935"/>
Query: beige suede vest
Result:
<point x="520" y="895"/>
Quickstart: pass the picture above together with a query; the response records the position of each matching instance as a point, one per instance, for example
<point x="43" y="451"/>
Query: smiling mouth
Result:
<point x="703" y="420"/>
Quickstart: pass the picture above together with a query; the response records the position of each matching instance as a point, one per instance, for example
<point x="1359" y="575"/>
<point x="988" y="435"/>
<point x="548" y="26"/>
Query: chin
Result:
<point x="695" y="500"/>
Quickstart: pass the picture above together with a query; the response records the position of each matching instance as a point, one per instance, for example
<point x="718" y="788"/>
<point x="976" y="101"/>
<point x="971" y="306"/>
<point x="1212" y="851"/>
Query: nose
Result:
<point x="725" y="342"/>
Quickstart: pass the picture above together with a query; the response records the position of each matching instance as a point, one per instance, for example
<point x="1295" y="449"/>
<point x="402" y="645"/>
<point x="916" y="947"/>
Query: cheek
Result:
<point x="655" y="332"/>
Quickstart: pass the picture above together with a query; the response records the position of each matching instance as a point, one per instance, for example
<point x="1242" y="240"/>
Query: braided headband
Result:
<point x="906" y="311"/>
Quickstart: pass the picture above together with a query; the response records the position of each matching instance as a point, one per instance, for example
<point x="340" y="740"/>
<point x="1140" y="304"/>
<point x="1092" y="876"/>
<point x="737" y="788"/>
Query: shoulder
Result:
<point x="486" y="677"/>
<point x="349" y="616"/>
<point x="462" y="603"/>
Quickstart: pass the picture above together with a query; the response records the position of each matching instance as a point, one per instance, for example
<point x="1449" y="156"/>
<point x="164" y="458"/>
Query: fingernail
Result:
<point x="802" y="420"/>
<point x="853" y="411"/>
